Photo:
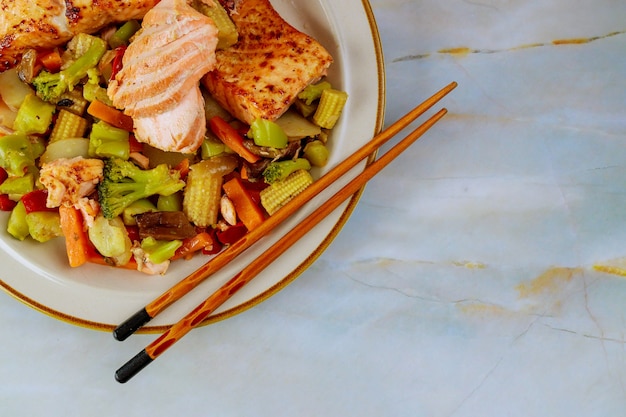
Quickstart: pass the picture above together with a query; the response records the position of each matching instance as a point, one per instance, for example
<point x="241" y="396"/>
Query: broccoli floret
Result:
<point x="313" y="92"/>
<point x="279" y="170"/>
<point x="124" y="183"/>
<point x="50" y="86"/>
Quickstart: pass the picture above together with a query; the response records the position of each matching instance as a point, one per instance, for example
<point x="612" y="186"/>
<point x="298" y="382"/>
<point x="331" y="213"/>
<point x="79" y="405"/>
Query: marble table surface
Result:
<point x="482" y="274"/>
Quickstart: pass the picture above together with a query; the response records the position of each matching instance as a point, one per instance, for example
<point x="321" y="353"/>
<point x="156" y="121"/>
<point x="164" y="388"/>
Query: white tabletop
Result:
<point x="473" y="278"/>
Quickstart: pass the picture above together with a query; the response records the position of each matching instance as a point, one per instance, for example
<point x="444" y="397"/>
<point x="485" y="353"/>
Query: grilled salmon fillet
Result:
<point x="159" y="84"/>
<point x="48" y="23"/>
<point x="261" y="75"/>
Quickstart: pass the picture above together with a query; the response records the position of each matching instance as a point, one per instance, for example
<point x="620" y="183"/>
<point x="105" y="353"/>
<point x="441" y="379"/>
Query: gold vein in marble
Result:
<point x="549" y="281"/>
<point x="464" y="51"/>
<point x="610" y="269"/>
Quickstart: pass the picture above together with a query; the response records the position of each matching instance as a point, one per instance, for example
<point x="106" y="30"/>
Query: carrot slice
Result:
<point x="231" y="138"/>
<point x="183" y="168"/>
<point x="244" y="172"/>
<point x="77" y="245"/>
<point x="76" y="239"/>
<point x="51" y="60"/>
<point x="250" y="213"/>
<point x="110" y="115"/>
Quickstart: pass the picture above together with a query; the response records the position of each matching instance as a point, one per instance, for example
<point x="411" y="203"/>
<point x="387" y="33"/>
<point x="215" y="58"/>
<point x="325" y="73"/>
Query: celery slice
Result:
<point x="268" y="133"/>
<point x="34" y="116"/>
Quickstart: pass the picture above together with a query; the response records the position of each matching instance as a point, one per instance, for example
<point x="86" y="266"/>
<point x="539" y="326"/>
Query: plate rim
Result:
<point x="291" y="276"/>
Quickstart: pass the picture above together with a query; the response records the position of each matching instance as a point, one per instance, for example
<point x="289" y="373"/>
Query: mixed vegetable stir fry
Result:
<point x="71" y="166"/>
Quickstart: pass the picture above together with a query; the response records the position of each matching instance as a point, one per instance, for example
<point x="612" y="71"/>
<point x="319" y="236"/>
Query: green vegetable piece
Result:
<point x="125" y="183"/>
<point x="313" y="92"/>
<point x="122" y="36"/>
<point x="159" y="251"/>
<point x="317" y="153"/>
<point x="44" y="225"/>
<point x="16" y="187"/>
<point x="279" y="170"/>
<point x="93" y="92"/>
<point x="173" y="202"/>
<point x="138" y="207"/>
<point x="211" y="146"/>
<point x="38" y="146"/>
<point x="268" y="133"/>
<point x="113" y="149"/>
<point x="110" y="238"/>
<point x="103" y="130"/>
<point x="226" y="30"/>
<point x="17" y="226"/>
<point x="306" y="110"/>
<point x="16" y="154"/>
<point x="50" y="87"/>
<point x="80" y="44"/>
<point x="106" y="141"/>
<point x="34" y="116"/>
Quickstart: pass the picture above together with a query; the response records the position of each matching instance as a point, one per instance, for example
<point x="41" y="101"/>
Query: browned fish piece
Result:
<point x="43" y="24"/>
<point x="261" y="75"/>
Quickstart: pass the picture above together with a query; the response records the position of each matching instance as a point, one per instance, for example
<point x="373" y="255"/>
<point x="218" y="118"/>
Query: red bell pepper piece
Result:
<point x="133" y="233"/>
<point x="6" y="204"/>
<point x="231" y="234"/>
<point x="217" y="245"/>
<point x="116" y="65"/>
<point x="36" y="201"/>
<point x="3" y="175"/>
<point x="254" y="189"/>
<point x="135" y="145"/>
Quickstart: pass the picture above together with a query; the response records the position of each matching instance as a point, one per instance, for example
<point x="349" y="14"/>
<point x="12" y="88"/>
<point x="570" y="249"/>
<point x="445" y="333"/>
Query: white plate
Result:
<point x="101" y="297"/>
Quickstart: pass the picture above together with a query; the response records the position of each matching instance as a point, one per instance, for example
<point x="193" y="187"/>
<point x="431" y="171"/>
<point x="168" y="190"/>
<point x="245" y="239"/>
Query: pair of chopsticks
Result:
<point x="205" y="309"/>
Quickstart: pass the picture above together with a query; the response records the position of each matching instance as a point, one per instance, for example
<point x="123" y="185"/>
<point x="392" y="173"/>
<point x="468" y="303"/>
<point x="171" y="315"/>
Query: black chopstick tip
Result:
<point x="131" y="325"/>
<point x="132" y="367"/>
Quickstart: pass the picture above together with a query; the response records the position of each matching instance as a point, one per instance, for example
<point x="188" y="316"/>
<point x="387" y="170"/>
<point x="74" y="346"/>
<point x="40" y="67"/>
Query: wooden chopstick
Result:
<point x="184" y="286"/>
<point x="202" y="311"/>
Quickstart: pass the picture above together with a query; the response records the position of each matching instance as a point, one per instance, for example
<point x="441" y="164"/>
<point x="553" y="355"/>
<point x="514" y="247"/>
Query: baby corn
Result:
<point x="201" y="200"/>
<point x="68" y="125"/>
<point x="73" y="101"/>
<point x="329" y="108"/>
<point x="280" y="192"/>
